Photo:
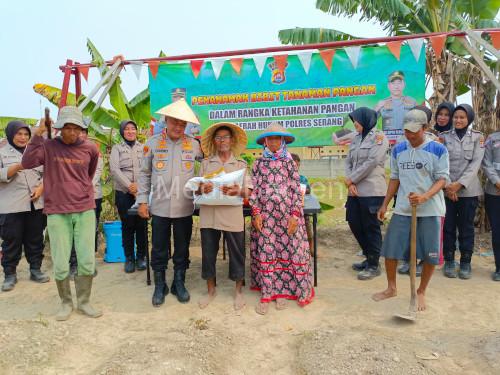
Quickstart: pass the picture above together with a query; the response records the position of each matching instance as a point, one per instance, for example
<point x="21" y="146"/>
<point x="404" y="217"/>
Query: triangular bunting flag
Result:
<point x="416" y="47"/>
<point x="395" y="48"/>
<point x="327" y="56"/>
<point x="153" y="67"/>
<point x="495" y="39"/>
<point x="137" y="68"/>
<point x="217" y="67"/>
<point x="196" y="67"/>
<point x="236" y="63"/>
<point x="84" y="71"/>
<point x="260" y="62"/>
<point x="305" y="60"/>
<point x="437" y="43"/>
<point x="281" y="61"/>
<point x="353" y="54"/>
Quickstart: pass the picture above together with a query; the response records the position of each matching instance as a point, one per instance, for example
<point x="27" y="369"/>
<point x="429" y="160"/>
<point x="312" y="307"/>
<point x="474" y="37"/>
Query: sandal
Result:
<point x="262" y="308"/>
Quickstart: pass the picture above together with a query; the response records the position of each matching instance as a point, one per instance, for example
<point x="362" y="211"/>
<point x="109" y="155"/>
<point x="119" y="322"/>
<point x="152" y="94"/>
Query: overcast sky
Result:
<point x="38" y="36"/>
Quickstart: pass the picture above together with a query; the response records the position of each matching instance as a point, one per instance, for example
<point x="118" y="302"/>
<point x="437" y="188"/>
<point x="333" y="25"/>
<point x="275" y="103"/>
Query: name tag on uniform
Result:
<point x="187" y="155"/>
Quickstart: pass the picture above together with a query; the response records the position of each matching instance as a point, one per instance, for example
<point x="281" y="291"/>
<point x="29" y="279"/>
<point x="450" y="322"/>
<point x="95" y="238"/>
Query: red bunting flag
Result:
<point x="196" y="67"/>
<point x="281" y="61"/>
<point x="395" y="48"/>
<point x="495" y="39"/>
<point x="437" y="43"/>
<point x="237" y="63"/>
<point x="84" y="71"/>
<point x="153" y="66"/>
<point x="327" y="56"/>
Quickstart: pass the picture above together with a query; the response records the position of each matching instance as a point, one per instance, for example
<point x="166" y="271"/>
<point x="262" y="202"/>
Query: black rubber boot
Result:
<point x="465" y="271"/>
<point x="161" y="288"/>
<point x="369" y="273"/>
<point x="404" y="268"/>
<point x="130" y="265"/>
<point x="178" y="288"/>
<point x="38" y="276"/>
<point x="9" y="282"/>
<point x="495" y="276"/>
<point x="450" y="269"/>
<point x="359" y="266"/>
<point x="140" y="264"/>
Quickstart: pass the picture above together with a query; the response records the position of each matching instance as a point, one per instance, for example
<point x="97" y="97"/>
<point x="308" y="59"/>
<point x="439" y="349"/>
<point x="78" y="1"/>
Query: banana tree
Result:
<point x="454" y="73"/>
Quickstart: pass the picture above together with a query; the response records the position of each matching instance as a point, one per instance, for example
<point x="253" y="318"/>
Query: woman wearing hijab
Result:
<point x="124" y="165"/>
<point x="444" y="117"/>
<point x="21" y="218"/>
<point x="280" y="258"/>
<point x="366" y="184"/>
<point x="466" y="149"/>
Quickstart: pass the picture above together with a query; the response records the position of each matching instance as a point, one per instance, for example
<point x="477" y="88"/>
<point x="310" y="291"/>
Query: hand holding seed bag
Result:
<point x="223" y="187"/>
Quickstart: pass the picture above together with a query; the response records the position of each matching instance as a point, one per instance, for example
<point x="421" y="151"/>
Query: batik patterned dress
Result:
<point x="280" y="263"/>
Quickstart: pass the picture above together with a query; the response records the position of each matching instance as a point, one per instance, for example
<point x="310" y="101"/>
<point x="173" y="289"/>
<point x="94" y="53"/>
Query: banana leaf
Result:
<point x="117" y="97"/>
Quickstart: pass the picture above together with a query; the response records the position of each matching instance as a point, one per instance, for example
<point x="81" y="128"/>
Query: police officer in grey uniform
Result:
<point x="466" y="149"/>
<point x="491" y="168"/>
<point x="21" y="219"/>
<point x="394" y="108"/>
<point x="168" y="164"/>
<point x="124" y="167"/>
<point x="365" y="180"/>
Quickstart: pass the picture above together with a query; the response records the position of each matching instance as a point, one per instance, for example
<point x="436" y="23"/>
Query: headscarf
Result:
<point x="451" y="108"/>
<point x="123" y="125"/>
<point x="11" y="130"/>
<point x="366" y="117"/>
<point x="281" y="154"/>
<point x="470" y="118"/>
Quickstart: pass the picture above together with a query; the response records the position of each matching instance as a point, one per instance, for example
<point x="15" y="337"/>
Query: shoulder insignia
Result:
<point x="145" y="150"/>
<point x="481" y="141"/>
<point x="379" y="139"/>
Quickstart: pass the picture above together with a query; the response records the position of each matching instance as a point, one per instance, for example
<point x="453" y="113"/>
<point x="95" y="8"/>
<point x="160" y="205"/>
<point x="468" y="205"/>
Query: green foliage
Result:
<point x="5" y="120"/>
<point x="249" y="159"/>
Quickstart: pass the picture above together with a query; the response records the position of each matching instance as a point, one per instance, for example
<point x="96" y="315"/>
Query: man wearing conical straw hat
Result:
<point x="167" y="165"/>
<point x="222" y="144"/>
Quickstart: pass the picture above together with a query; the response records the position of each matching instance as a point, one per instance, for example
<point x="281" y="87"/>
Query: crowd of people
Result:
<point x="435" y="170"/>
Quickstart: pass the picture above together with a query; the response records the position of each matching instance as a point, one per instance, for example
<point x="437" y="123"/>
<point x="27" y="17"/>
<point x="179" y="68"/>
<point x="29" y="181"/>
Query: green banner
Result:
<point x="312" y="105"/>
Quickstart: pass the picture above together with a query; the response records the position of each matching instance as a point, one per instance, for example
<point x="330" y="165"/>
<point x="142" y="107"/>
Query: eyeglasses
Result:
<point x="222" y="138"/>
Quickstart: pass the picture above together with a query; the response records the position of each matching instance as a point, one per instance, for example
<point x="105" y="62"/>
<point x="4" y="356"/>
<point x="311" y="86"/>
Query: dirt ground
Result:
<point x="342" y="332"/>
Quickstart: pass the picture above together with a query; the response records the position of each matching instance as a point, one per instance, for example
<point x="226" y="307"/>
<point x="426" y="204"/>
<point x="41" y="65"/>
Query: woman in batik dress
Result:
<point x="280" y="258"/>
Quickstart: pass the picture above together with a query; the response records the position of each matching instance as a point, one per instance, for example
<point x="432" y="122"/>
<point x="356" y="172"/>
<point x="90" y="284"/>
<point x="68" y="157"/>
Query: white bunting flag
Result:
<point x="217" y="67"/>
<point x="305" y="60"/>
<point x="416" y="47"/>
<point x="137" y="68"/>
<point x="260" y="62"/>
<point x="353" y="54"/>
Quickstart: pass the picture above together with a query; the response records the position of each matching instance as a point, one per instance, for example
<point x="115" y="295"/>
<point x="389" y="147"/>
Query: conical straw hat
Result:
<point x="239" y="135"/>
<point x="275" y="129"/>
<point x="179" y="110"/>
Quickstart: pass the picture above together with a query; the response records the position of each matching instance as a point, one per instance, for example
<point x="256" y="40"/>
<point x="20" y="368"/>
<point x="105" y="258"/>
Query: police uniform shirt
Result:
<point x="365" y="164"/>
<point x="15" y="192"/>
<point x="491" y="163"/>
<point x="166" y="167"/>
<point x="394" y="110"/>
<point x="466" y="155"/>
<point x="125" y="164"/>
